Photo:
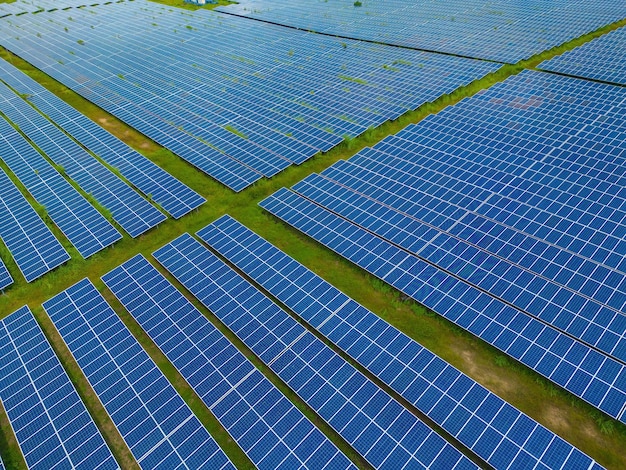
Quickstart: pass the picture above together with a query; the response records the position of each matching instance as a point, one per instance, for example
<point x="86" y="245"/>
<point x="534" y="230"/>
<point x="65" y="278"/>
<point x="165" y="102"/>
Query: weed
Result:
<point x="235" y="131"/>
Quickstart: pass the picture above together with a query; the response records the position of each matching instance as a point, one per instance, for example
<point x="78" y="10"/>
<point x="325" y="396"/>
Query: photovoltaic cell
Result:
<point x="377" y="426"/>
<point x="81" y="223"/>
<point x="152" y="418"/>
<point x="50" y="422"/>
<point x="31" y="243"/>
<point x="592" y="376"/>
<point x="161" y="187"/>
<point x="129" y="209"/>
<point x="262" y="421"/>
<point x="454" y="401"/>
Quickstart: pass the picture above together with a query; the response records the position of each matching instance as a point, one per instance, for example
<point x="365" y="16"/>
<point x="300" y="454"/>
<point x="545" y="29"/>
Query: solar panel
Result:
<point x="5" y="277"/>
<point x="262" y="421"/>
<point x="451" y="399"/>
<point x="31" y="243"/>
<point x="603" y="58"/>
<point x="502" y="31"/>
<point x="376" y="425"/>
<point x="1" y="464"/>
<point x="83" y="225"/>
<point x="243" y="125"/>
<point x="173" y="196"/>
<point x="134" y="214"/>
<point x="51" y="424"/>
<point x="595" y="378"/>
<point x="152" y="418"/>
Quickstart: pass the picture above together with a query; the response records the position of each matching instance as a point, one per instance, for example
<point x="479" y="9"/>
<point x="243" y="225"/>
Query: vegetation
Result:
<point x="594" y="433"/>
<point x="347" y="78"/>
<point x="235" y="131"/>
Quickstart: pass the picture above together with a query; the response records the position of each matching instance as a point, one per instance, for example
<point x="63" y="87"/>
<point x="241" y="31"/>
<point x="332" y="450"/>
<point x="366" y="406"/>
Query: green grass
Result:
<point x="594" y="433"/>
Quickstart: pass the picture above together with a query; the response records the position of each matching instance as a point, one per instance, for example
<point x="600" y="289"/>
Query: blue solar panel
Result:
<point x="152" y="418"/>
<point x="502" y="31"/>
<point x="1" y="464"/>
<point x="5" y="277"/>
<point x="595" y="378"/>
<point x="454" y="401"/>
<point x="131" y="211"/>
<point x="161" y="187"/>
<point x="242" y="124"/>
<point x="81" y="223"/>
<point x="604" y="59"/>
<point x="31" y="243"/>
<point x="51" y="423"/>
<point x="266" y="425"/>
<point x="376" y="425"/>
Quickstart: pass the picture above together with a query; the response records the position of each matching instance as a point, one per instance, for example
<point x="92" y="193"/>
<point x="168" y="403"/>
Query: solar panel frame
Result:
<point x="406" y="367"/>
<point x="155" y="422"/>
<point x="223" y="378"/>
<point x="57" y="428"/>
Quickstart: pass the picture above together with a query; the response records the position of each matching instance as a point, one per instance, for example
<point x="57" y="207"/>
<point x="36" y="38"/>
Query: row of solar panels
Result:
<point x="33" y="246"/>
<point x="602" y="59"/>
<point x="478" y="213"/>
<point x="19" y="7"/>
<point x="503" y="31"/>
<point x="161" y="431"/>
<point x="286" y="95"/>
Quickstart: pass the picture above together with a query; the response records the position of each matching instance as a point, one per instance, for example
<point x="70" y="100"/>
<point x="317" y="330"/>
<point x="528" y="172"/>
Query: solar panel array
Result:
<point x="152" y="418"/>
<point x="31" y="243"/>
<point x="585" y="372"/>
<point x="604" y="59"/>
<point x="493" y="429"/>
<point x="81" y="223"/>
<point x="245" y="124"/>
<point x="264" y="423"/>
<point x="131" y="211"/>
<point x="173" y="196"/>
<point x="517" y="192"/>
<point x="499" y="30"/>
<point x="372" y="422"/>
<point x="19" y="7"/>
<point x="50" y="422"/>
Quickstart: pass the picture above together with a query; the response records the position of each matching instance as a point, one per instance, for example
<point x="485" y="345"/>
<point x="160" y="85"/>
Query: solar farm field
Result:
<point x="312" y="235"/>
